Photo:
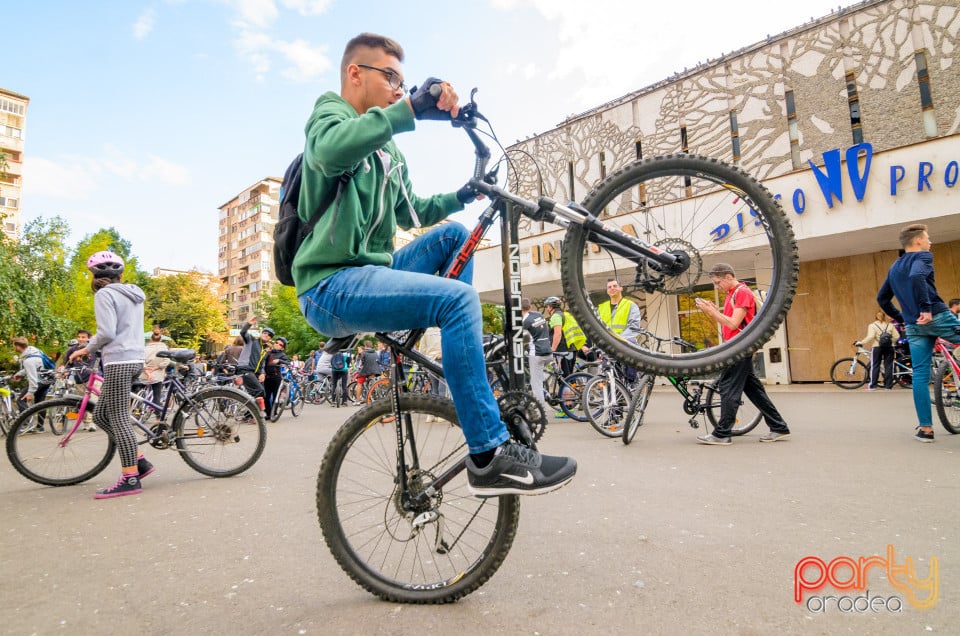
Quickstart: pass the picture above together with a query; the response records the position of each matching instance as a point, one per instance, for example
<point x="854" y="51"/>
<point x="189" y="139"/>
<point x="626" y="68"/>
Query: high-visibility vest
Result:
<point x="619" y="320"/>
<point x="572" y="333"/>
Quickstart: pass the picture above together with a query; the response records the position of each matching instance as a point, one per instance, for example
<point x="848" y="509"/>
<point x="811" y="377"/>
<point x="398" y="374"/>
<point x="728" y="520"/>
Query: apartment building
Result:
<point x="246" y="247"/>
<point x="13" y="120"/>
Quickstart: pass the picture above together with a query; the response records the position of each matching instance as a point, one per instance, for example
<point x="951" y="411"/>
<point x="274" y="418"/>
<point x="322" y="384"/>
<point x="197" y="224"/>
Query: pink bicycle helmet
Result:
<point x="105" y="264"/>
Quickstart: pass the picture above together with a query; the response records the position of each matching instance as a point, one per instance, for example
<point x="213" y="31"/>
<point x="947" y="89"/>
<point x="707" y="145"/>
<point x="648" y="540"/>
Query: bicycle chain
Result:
<point x="519" y="407"/>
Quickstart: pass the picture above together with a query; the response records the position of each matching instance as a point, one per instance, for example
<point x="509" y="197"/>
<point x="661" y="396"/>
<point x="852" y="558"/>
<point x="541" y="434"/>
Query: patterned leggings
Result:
<point x="113" y="408"/>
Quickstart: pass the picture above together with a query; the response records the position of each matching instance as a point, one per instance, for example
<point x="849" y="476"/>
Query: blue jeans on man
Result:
<point x="922" y="339"/>
<point x="409" y="295"/>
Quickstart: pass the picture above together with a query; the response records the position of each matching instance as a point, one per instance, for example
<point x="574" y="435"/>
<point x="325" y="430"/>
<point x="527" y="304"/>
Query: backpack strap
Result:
<point x="342" y="181"/>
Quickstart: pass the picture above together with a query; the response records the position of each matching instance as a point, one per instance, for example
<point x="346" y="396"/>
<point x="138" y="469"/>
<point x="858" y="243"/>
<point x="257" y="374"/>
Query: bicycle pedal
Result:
<point x="694" y="423"/>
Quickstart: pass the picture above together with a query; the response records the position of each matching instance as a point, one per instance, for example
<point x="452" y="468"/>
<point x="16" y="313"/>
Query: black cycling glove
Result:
<point x="424" y="101"/>
<point x="466" y="194"/>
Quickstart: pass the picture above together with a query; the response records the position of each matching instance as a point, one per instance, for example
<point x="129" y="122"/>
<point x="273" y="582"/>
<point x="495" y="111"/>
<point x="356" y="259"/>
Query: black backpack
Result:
<point x="885" y="341"/>
<point x="290" y="231"/>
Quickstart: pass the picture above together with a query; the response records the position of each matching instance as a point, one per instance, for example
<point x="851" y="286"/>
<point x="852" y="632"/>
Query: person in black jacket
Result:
<point x="251" y="359"/>
<point x="270" y="371"/>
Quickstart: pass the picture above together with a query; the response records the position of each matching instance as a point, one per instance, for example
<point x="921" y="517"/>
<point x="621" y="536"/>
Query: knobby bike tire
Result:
<point x="946" y="397"/>
<point x="220" y="432"/>
<point x="461" y="541"/>
<point x="638" y="408"/>
<point x="42" y="457"/>
<point x="317" y="392"/>
<point x="606" y="415"/>
<point x="379" y="390"/>
<point x="680" y="203"/>
<point x="748" y="416"/>
<point x="841" y="376"/>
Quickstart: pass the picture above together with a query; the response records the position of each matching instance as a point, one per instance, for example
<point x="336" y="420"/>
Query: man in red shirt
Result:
<point x="738" y="310"/>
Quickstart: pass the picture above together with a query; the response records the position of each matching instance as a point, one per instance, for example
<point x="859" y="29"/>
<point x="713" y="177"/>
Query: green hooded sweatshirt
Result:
<point x="358" y="229"/>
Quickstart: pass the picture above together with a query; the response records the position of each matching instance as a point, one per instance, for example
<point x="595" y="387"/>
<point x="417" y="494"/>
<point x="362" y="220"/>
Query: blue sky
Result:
<point x="147" y="116"/>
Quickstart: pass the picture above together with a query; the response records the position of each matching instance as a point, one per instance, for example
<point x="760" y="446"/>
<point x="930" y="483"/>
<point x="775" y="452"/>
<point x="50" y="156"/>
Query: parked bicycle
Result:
<point x="217" y="431"/>
<point x="392" y="495"/>
<point x="289" y="394"/>
<point x="853" y="373"/>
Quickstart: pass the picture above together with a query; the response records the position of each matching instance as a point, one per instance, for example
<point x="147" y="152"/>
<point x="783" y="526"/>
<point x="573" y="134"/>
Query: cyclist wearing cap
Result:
<point x="250" y="359"/>
<point x="346" y="268"/>
<point x="270" y="370"/>
<point x="119" y="339"/>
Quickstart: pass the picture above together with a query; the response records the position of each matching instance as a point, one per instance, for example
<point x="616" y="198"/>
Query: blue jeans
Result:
<point x="409" y="295"/>
<point x="922" y="338"/>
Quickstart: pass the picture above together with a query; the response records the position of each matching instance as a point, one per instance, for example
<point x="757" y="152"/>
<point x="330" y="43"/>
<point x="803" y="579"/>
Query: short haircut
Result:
<point x="953" y="302"/>
<point x="721" y="269"/>
<point x="367" y="343"/>
<point x="368" y="41"/>
<point x="910" y="233"/>
<point x="525" y="304"/>
<point x="80" y="331"/>
<point x="21" y="342"/>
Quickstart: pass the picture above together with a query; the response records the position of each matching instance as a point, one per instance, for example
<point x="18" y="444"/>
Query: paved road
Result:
<point x="663" y="536"/>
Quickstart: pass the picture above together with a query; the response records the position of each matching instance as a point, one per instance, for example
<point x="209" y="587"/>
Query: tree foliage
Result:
<point x="29" y="269"/>
<point x="280" y="305"/>
<point x="187" y="308"/>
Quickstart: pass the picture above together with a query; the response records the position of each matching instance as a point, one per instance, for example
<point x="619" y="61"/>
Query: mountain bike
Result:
<point x="853" y="373"/>
<point x="946" y="387"/>
<point x="289" y="394"/>
<point x="392" y="496"/>
<point x="217" y="431"/>
<point x="606" y="398"/>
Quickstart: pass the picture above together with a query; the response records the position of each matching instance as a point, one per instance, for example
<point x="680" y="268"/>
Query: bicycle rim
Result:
<point x="946" y="397"/>
<point x="606" y="404"/>
<point x="638" y="408"/>
<point x="849" y="373"/>
<point x="58" y="456"/>
<point x="440" y="550"/>
<point x="221" y="433"/>
<point x="747" y="418"/>
<point x="705" y="212"/>
<point x="571" y="396"/>
<point x="296" y="402"/>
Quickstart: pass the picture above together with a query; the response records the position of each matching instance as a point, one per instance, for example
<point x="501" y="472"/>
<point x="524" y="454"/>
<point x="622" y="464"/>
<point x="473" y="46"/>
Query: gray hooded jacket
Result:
<point x="119" y="310"/>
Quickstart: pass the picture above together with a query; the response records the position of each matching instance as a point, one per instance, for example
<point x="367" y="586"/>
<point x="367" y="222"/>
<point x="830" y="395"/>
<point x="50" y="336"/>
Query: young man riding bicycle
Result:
<point x="346" y="268"/>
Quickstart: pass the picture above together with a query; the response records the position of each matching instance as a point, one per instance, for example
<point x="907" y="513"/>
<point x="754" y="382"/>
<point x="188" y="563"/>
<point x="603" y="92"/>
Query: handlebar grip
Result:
<point x="435" y="90"/>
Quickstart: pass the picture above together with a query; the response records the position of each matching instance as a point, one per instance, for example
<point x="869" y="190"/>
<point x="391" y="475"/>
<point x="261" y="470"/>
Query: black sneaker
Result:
<point x="923" y="436"/>
<point x="518" y="470"/>
<point x="144" y="467"/>
<point x="128" y="485"/>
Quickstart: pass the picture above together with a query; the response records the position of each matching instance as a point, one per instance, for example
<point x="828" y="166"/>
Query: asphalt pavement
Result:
<point x="664" y="536"/>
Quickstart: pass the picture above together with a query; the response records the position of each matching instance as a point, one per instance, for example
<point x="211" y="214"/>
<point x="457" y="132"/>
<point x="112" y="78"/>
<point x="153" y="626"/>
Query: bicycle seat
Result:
<point x="346" y="343"/>
<point x="178" y="355"/>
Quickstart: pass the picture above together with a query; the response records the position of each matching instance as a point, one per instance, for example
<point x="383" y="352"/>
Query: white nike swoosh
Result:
<point x="523" y="480"/>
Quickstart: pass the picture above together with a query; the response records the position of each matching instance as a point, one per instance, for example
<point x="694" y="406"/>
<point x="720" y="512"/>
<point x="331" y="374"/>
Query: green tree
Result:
<point x="187" y="308"/>
<point x="492" y="318"/>
<point x="29" y="269"/>
<point x="73" y="299"/>
<point x="284" y="317"/>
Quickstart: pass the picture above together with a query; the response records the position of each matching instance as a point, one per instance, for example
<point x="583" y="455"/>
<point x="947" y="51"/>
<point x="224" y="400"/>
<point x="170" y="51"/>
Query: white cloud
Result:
<point x="259" y="47"/>
<point x="307" y="7"/>
<point x="78" y="177"/>
<point x="144" y="24"/>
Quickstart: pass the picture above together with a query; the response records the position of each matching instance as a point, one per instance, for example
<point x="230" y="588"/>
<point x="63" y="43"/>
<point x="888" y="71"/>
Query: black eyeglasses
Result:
<point x="393" y="78"/>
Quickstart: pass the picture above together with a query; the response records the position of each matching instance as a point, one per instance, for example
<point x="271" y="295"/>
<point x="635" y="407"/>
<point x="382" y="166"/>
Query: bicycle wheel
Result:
<point x="317" y="392"/>
<point x="352" y="393"/>
<point x="219" y="432"/>
<point x="296" y="401"/>
<point x="946" y="397"/>
<point x="638" y="407"/>
<point x="702" y="211"/>
<point x="606" y="403"/>
<point x="379" y="390"/>
<point x="748" y="416"/>
<point x="435" y="551"/>
<point x="571" y="396"/>
<point x="279" y="403"/>
<point x="849" y="373"/>
<point x="66" y="458"/>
